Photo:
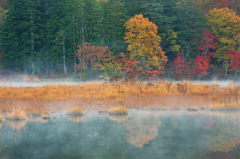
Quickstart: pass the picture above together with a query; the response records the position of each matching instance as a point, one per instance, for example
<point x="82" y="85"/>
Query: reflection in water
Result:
<point x="76" y="119"/>
<point x="223" y="144"/>
<point x="3" y="153"/>
<point x="142" y="134"/>
<point x="119" y="118"/>
<point x="16" y="124"/>
<point x="224" y="131"/>
<point x="142" y="128"/>
<point x="38" y="120"/>
<point x="169" y="124"/>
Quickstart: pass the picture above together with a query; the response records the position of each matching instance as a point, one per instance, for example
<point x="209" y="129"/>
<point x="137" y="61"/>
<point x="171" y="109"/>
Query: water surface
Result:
<point x="143" y="134"/>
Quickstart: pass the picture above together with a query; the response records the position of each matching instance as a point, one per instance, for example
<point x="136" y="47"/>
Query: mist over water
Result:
<point x="143" y="134"/>
<point x="45" y="83"/>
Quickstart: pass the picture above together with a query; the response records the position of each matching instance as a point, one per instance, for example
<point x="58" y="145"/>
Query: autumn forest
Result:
<point x="113" y="39"/>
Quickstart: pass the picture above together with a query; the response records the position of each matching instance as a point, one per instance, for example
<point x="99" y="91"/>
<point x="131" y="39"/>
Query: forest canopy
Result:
<point x="134" y="39"/>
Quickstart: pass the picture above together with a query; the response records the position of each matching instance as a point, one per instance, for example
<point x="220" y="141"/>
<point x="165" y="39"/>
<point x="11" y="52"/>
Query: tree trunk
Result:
<point x="82" y="26"/>
<point x="32" y="45"/>
<point x="33" y="67"/>
<point x="225" y="65"/>
<point x="74" y="48"/>
<point x="64" y="56"/>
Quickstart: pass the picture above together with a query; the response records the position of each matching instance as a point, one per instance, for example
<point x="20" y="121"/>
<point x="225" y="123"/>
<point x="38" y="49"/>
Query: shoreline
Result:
<point x="69" y="82"/>
<point x="100" y="96"/>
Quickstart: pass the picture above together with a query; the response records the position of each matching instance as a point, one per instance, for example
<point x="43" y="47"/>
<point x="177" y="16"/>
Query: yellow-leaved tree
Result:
<point x="141" y="35"/>
<point x="225" y="23"/>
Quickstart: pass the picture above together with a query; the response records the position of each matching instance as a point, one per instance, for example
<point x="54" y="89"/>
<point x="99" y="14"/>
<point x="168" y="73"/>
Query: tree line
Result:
<point x="128" y="38"/>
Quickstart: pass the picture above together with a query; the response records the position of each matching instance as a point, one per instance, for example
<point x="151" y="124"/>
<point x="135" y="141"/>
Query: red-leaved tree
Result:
<point x="91" y="57"/>
<point x="207" y="49"/>
<point x="208" y="44"/>
<point x="153" y="73"/>
<point x="129" y="65"/>
<point x="234" y="57"/>
<point x="200" y="66"/>
<point x="180" y="67"/>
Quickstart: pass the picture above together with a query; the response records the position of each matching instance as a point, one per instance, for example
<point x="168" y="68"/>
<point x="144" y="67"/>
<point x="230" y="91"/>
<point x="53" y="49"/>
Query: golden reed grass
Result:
<point x="106" y="90"/>
<point x="75" y="111"/>
<point x="118" y="111"/>
<point x="17" y="114"/>
<point x="121" y="91"/>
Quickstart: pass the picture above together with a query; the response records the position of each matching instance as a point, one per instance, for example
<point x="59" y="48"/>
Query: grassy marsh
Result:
<point x="103" y="96"/>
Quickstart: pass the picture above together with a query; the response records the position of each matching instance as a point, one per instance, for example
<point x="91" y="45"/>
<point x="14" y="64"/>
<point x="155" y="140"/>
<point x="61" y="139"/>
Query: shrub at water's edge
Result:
<point x="45" y="116"/>
<point x="38" y="112"/>
<point x="118" y="111"/>
<point x="75" y="111"/>
<point x="0" y="117"/>
<point x="17" y="115"/>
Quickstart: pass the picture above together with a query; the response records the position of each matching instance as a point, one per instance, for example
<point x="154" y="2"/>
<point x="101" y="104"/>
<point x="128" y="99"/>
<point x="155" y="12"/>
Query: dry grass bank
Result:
<point x="160" y="94"/>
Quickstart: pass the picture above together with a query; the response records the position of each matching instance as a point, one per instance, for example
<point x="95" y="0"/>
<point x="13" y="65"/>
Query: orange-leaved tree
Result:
<point x="91" y="58"/>
<point x="141" y="35"/>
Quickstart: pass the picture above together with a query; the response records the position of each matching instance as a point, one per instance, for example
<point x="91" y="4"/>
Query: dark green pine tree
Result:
<point x="133" y="7"/>
<point x="21" y="35"/>
<point x="189" y="25"/>
<point x="90" y="21"/>
<point x="32" y="36"/>
<point x="163" y="14"/>
<point x="11" y="32"/>
<point x="112" y="26"/>
<point x="66" y="36"/>
<point x="57" y="19"/>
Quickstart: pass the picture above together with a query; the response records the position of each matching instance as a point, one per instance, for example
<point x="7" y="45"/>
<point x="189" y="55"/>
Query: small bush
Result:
<point x="215" y="98"/>
<point x="75" y="111"/>
<point x="45" y="116"/>
<point x="0" y="117"/>
<point x="120" y="101"/>
<point x="17" y="115"/>
<point x="27" y="108"/>
<point x="225" y="105"/>
<point x="118" y="111"/>
<point x="26" y="78"/>
<point x="35" y="79"/>
<point x="38" y="112"/>
<point x="63" y="76"/>
<point x="6" y="109"/>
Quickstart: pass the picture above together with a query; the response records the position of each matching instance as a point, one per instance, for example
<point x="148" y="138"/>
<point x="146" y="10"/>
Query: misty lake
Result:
<point x="143" y="134"/>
